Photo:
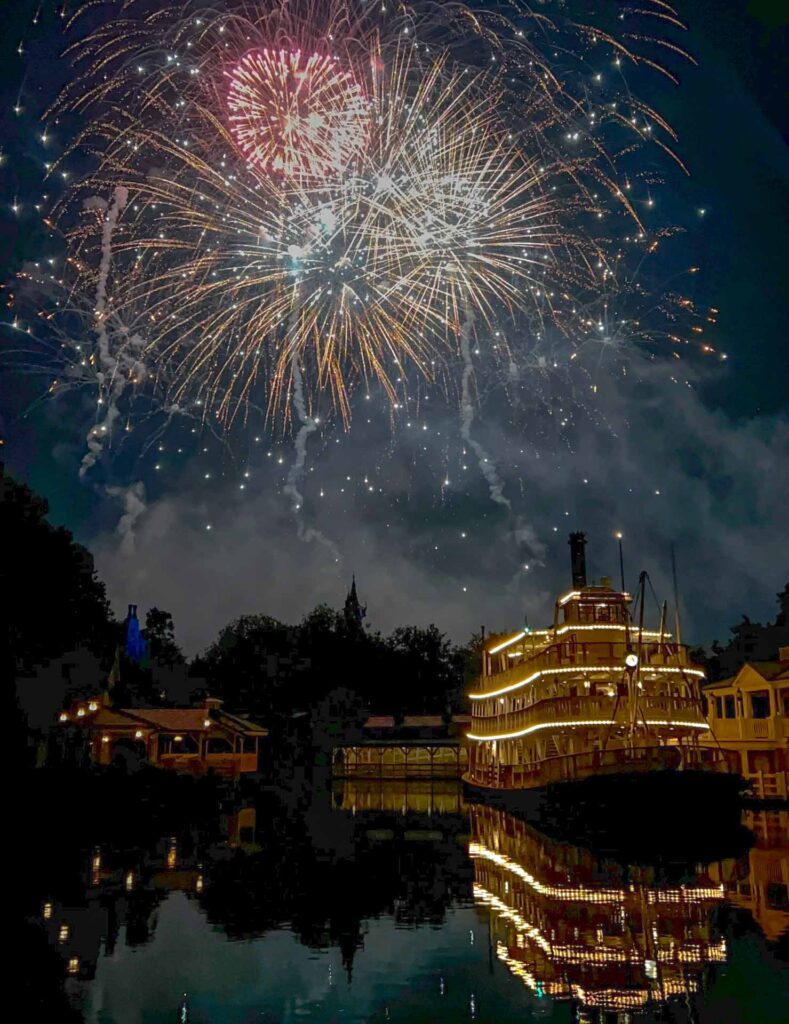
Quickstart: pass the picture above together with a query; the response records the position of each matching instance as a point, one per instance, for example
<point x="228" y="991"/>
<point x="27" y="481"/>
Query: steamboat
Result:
<point x="595" y="710"/>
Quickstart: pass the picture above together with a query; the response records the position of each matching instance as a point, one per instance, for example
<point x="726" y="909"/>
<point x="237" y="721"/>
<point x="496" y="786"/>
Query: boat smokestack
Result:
<point x="578" y="558"/>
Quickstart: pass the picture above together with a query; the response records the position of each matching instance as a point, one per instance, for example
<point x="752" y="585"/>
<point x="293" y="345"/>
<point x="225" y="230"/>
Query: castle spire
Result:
<point x="136" y="647"/>
<point x="354" y="611"/>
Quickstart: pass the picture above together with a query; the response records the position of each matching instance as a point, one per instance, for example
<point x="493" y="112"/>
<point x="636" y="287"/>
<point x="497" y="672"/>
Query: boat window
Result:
<point x="718" y="707"/>
<point x="728" y="705"/>
<point x="760" y="704"/>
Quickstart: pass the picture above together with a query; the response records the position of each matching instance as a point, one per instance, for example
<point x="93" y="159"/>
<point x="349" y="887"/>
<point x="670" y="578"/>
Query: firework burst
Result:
<point x="348" y="189"/>
<point x="359" y="276"/>
<point x="296" y="114"/>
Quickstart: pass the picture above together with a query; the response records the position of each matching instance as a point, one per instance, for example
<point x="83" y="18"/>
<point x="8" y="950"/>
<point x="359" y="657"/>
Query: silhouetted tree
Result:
<point x="270" y="669"/>
<point x="467" y="662"/>
<point x="250" y="662"/>
<point x="424" y="665"/>
<point x="160" y="634"/>
<point x="55" y="601"/>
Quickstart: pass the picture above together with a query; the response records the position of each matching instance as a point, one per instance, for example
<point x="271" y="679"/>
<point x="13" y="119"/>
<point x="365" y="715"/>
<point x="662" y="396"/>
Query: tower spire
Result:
<point x="354" y="611"/>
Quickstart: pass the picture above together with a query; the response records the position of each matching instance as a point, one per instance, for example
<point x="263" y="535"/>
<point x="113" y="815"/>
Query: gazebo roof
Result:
<point x="168" y="720"/>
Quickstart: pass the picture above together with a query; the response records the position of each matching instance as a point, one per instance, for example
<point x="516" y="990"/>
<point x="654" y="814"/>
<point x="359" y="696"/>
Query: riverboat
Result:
<point x="596" y="700"/>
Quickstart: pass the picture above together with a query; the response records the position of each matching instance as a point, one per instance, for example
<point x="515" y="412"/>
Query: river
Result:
<point x="373" y="902"/>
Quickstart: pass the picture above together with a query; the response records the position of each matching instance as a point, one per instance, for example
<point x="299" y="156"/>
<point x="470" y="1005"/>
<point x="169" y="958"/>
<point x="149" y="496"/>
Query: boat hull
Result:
<point x="642" y="815"/>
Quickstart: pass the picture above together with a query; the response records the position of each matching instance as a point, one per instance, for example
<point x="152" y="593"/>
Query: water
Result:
<point x="381" y="903"/>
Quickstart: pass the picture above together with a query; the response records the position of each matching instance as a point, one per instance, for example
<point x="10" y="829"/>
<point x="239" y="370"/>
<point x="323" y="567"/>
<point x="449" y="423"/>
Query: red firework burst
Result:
<point x="305" y="117"/>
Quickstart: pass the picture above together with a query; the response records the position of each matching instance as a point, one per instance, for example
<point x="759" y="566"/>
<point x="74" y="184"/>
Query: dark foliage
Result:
<point x="58" y="602"/>
<point x="159" y="633"/>
<point x="270" y="669"/>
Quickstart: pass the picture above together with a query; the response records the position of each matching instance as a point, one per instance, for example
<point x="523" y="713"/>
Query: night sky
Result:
<point x="695" y="455"/>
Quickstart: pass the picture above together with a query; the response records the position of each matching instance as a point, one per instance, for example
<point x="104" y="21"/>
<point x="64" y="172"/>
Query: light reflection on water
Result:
<point x="386" y="902"/>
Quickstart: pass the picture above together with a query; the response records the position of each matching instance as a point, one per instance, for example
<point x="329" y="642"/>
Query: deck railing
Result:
<point x="743" y="728"/>
<point x="588" y="656"/>
<point x="574" y="767"/>
<point x="562" y="711"/>
<point x="769" y="785"/>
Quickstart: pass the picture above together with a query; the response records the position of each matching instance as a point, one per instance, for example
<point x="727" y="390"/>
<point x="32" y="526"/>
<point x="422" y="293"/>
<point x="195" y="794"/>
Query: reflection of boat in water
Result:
<point x="570" y="924"/>
<point x="573" y="926"/>
<point x="596" y="710"/>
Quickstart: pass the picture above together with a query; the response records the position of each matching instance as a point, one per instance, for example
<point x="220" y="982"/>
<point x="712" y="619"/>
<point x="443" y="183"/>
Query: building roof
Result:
<point x="226" y="719"/>
<point x="177" y="719"/>
<point x="380" y="722"/>
<point x="770" y="672"/>
<point x="413" y="721"/>
<point x="108" y="717"/>
<point x="169" y="719"/>
<point x="423" y="721"/>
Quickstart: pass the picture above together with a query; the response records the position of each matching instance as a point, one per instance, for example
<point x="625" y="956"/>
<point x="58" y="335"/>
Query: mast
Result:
<point x="663" y="612"/>
<point x="676" y="598"/>
<point x="619" y="536"/>
<point x="635" y="674"/>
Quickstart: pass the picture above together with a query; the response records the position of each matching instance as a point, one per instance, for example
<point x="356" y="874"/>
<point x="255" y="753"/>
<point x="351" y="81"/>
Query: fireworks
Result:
<point x="240" y="273"/>
<point x="353" y="193"/>
<point x="296" y="114"/>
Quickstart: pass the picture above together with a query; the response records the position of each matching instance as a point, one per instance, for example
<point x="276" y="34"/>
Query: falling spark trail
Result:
<point x="467" y="415"/>
<point x="522" y="532"/>
<point x="134" y="505"/>
<point x="100" y="431"/>
<point x="308" y="426"/>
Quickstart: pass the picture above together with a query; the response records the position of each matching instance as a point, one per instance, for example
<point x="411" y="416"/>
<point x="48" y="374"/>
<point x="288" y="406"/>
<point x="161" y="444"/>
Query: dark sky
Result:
<point x="705" y="467"/>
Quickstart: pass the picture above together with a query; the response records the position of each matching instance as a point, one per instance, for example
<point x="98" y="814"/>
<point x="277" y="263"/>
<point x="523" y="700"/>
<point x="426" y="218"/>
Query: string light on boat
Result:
<point x="588" y="670"/>
<point x="511" y="640"/>
<point x="580" y="724"/>
<point x="573" y="627"/>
